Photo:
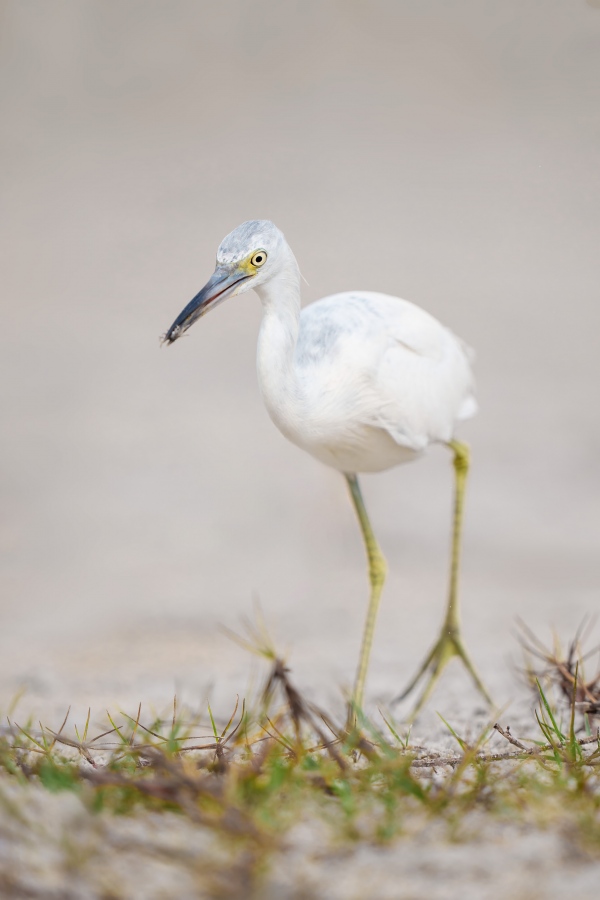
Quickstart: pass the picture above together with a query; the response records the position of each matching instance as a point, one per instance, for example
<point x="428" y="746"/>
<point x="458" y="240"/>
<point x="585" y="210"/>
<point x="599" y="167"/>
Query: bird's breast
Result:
<point x="329" y="424"/>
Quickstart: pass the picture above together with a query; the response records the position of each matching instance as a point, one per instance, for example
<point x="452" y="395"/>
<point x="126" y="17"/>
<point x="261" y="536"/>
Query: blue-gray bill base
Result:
<point x="362" y="381"/>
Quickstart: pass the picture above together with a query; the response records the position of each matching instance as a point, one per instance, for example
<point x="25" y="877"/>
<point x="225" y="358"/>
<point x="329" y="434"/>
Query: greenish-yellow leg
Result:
<point x="377" y="573"/>
<point x="450" y="642"/>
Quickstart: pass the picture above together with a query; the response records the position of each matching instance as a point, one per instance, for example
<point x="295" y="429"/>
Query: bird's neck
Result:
<point x="281" y="299"/>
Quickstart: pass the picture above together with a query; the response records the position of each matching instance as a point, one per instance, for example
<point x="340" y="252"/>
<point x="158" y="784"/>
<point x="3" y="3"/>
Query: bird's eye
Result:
<point x="259" y="259"/>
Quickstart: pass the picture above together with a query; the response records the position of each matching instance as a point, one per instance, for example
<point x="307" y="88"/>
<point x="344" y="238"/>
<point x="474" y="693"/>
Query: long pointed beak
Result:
<point x="221" y="284"/>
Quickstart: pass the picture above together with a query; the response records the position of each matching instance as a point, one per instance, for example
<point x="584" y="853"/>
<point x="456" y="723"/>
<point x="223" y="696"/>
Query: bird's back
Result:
<point x="378" y="379"/>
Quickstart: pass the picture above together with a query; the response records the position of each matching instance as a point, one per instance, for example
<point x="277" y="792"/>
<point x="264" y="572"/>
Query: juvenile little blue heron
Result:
<point x="360" y="380"/>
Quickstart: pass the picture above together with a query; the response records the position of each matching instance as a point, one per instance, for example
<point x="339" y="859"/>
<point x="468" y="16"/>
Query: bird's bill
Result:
<point x="221" y="284"/>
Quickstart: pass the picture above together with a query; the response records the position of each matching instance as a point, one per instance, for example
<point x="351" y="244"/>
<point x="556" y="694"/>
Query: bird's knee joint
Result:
<point x="462" y="457"/>
<point x="377" y="568"/>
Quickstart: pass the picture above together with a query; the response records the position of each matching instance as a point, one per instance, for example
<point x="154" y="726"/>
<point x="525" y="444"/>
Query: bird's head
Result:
<point x="246" y="258"/>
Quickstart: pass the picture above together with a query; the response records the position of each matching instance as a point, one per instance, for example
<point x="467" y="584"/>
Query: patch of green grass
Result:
<point x="253" y="778"/>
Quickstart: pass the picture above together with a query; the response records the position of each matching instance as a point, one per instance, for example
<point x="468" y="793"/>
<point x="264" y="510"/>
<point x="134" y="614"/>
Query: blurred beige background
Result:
<point x="444" y="152"/>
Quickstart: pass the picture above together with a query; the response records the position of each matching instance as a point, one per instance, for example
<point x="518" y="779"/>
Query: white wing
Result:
<point x="396" y="366"/>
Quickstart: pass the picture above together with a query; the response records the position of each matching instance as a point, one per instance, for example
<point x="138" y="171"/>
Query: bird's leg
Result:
<point x="377" y="573"/>
<point x="450" y="642"/>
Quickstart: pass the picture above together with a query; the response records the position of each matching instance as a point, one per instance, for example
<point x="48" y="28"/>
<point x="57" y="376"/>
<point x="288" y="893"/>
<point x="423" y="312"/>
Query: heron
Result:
<point x="362" y="381"/>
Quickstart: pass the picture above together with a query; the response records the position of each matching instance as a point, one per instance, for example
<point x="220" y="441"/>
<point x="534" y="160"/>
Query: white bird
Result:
<point x="362" y="381"/>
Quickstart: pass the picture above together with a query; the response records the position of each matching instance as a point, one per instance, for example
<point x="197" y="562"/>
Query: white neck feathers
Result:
<point x="281" y="298"/>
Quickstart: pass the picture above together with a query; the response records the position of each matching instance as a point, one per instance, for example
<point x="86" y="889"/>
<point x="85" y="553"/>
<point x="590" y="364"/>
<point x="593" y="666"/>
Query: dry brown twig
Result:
<point x="564" y="669"/>
<point x="522" y="752"/>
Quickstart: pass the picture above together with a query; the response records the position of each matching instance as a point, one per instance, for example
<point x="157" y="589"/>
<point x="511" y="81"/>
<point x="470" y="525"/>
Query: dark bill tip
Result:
<point x="220" y="286"/>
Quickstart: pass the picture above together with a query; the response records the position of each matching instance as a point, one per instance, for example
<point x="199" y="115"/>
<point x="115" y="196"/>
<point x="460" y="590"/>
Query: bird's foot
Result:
<point x="448" y="645"/>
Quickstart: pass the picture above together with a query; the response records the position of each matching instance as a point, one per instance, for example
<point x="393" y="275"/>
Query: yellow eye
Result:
<point x="259" y="258"/>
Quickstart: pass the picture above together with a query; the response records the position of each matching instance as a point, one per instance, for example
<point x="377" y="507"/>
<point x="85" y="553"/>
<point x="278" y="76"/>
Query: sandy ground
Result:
<point x="59" y="851"/>
<point x="446" y="153"/>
